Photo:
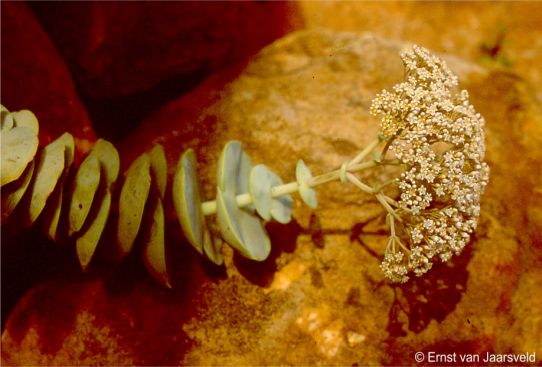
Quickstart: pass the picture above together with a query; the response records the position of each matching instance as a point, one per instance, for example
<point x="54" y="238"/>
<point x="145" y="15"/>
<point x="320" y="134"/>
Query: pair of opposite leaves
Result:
<point x="239" y="226"/>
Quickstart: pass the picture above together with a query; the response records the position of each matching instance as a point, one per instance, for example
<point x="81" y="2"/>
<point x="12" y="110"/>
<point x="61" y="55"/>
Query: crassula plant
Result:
<point x="430" y="151"/>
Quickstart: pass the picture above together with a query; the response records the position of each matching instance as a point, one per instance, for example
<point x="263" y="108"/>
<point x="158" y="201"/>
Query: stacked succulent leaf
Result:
<point x="42" y="181"/>
<point x="75" y="202"/>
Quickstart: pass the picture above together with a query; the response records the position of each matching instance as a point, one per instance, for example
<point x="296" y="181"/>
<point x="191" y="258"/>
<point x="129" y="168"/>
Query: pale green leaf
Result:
<point x="133" y="197"/>
<point x="187" y="199"/>
<point x="49" y="170"/>
<point x="260" y="190"/>
<point x="13" y="193"/>
<point x="90" y="235"/>
<point x="159" y="168"/>
<point x="84" y="186"/>
<point x="281" y="207"/>
<point x="109" y="160"/>
<point x="6" y="119"/>
<point x="18" y="147"/>
<point x="154" y="248"/>
<point x="25" y="118"/>
<point x="51" y="216"/>
<point x="303" y="176"/>
<point x="239" y="227"/>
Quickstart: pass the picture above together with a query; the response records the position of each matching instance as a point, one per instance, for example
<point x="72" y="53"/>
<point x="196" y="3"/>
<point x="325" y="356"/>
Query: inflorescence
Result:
<point x="438" y="137"/>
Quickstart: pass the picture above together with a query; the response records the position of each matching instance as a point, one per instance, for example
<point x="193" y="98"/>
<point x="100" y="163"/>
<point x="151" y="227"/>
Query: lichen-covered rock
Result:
<point x="320" y="298"/>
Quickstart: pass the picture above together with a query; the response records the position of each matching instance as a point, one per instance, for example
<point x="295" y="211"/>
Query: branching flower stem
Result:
<point x="353" y="166"/>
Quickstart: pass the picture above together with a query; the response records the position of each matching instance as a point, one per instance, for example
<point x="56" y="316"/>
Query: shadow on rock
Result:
<point x="421" y="299"/>
<point x="283" y="239"/>
<point x="431" y="297"/>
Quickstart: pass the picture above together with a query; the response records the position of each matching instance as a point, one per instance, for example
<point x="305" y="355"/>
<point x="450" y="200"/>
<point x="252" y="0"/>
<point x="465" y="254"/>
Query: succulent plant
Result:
<point x="431" y="144"/>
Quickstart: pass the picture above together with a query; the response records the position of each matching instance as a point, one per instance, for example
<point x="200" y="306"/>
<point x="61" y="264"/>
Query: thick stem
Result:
<point x="343" y="173"/>
<point x="209" y="207"/>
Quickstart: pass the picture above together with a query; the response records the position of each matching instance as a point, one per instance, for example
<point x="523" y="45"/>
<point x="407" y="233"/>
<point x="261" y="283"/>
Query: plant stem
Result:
<point x="209" y="207"/>
<point x="368" y="149"/>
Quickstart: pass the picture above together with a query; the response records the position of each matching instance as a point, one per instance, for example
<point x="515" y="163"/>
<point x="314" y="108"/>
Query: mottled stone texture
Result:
<point x="35" y="77"/>
<point x="320" y="299"/>
<point x="505" y="33"/>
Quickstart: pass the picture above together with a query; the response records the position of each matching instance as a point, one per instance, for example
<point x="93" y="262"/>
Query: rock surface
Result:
<point x="320" y="299"/>
<point x="34" y="77"/>
<point x="507" y="34"/>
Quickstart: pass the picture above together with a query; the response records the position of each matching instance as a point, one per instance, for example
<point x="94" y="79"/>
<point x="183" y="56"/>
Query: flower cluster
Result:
<point x="434" y="132"/>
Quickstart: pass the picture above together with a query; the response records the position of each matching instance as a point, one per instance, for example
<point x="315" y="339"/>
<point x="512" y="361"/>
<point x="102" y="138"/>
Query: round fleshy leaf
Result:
<point x="302" y="172"/>
<point x="238" y="226"/>
<point x="25" y="118"/>
<point x="260" y="190"/>
<point x="133" y="198"/>
<point x="187" y="199"/>
<point x="211" y="247"/>
<point x="84" y="186"/>
<point x="54" y="203"/>
<point x="243" y="175"/>
<point x="6" y="119"/>
<point x="159" y="168"/>
<point x="234" y="168"/>
<point x="69" y="150"/>
<point x="154" y="249"/>
<point x="49" y="170"/>
<point x="281" y="207"/>
<point x="304" y="175"/>
<point x="108" y="157"/>
<point x="51" y="216"/>
<point x="240" y="229"/>
<point x="13" y="193"/>
<point x="108" y="166"/>
<point x="90" y="235"/>
<point x="18" y="147"/>
<point x="309" y="196"/>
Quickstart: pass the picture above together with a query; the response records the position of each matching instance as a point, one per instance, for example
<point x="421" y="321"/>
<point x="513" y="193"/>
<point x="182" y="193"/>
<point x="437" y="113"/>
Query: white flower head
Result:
<point x="438" y="137"/>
